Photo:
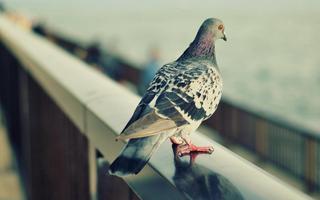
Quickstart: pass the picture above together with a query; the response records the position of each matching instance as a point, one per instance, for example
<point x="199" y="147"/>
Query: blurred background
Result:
<point x="271" y="60"/>
<point x="270" y="63"/>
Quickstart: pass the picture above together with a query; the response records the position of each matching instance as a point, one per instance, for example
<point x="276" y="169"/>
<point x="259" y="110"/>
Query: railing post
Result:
<point x="9" y="95"/>
<point x="234" y="123"/>
<point x="55" y="151"/>
<point x="112" y="187"/>
<point x="261" y="140"/>
<point x="310" y="164"/>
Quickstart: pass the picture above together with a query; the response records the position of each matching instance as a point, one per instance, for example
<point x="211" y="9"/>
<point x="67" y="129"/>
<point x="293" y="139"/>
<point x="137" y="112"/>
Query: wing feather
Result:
<point x="150" y="124"/>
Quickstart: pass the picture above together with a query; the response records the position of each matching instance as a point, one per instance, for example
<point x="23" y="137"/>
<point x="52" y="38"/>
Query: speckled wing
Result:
<point x="177" y="96"/>
<point x="193" y="94"/>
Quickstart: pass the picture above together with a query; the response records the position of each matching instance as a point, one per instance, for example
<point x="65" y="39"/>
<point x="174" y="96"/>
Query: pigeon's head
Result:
<point x="203" y="44"/>
<point x="214" y="28"/>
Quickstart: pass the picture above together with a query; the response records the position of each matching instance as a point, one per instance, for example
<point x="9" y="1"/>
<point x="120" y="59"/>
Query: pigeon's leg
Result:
<point x="189" y="148"/>
<point x="176" y="140"/>
<point x="193" y="156"/>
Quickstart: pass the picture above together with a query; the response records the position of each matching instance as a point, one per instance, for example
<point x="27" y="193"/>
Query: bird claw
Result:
<point x="190" y="148"/>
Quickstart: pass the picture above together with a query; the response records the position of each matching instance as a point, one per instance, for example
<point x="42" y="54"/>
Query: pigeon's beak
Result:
<point x="224" y="37"/>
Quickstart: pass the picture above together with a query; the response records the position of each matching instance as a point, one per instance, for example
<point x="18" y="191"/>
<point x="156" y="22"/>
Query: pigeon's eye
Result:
<point x="220" y="27"/>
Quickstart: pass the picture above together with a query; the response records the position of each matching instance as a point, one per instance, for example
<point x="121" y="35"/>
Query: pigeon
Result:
<point x="182" y="94"/>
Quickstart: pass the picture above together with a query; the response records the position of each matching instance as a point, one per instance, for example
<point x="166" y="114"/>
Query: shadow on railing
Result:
<point x="59" y="111"/>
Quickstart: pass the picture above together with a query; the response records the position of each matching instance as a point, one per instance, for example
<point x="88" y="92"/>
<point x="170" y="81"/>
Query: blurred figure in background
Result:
<point x="110" y="63"/>
<point x="150" y="69"/>
<point x="39" y="27"/>
<point x="103" y="60"/>
<point x="93" y="53"/>
<point x="2" y="8"/>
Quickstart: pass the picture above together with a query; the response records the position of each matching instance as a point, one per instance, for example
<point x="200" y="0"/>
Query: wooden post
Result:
<point x="261" y="140"/>
<point x="112" y="187"/>
<point x="234" y="123"/>
<point x="56" y="152"/>
<point x="310" y="164"/>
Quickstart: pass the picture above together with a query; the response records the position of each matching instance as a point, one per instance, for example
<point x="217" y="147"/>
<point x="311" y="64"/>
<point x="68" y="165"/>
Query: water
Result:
<point x="270" y="62"/>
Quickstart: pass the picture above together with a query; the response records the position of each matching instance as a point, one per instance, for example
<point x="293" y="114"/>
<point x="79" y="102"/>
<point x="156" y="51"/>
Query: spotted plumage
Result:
<point x="191" y="92"/>
<point x="182" y="95"/>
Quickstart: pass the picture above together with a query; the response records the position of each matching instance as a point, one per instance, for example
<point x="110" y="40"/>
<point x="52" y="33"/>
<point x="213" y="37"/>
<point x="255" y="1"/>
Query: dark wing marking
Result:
<point x="173" y="104"/>
<point x="187" y="93"/>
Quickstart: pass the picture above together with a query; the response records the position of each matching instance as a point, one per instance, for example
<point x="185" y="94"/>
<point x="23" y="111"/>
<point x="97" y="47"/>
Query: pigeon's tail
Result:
<point x="136" y="154"/>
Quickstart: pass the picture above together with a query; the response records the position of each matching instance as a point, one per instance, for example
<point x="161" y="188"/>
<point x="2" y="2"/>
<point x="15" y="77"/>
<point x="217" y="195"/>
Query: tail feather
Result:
<point x="135" y="155"/>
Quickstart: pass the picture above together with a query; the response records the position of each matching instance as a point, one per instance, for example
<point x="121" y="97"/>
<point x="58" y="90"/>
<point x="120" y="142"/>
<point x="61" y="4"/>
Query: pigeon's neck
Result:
<point x="203" y="46"/>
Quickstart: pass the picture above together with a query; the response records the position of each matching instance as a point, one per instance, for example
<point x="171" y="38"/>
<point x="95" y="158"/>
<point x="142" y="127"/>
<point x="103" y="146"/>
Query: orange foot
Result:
<point x="191" y="148"/>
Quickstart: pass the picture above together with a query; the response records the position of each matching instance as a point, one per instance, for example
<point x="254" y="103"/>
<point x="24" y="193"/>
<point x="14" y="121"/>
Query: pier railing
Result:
<point x="59" y="112"/>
